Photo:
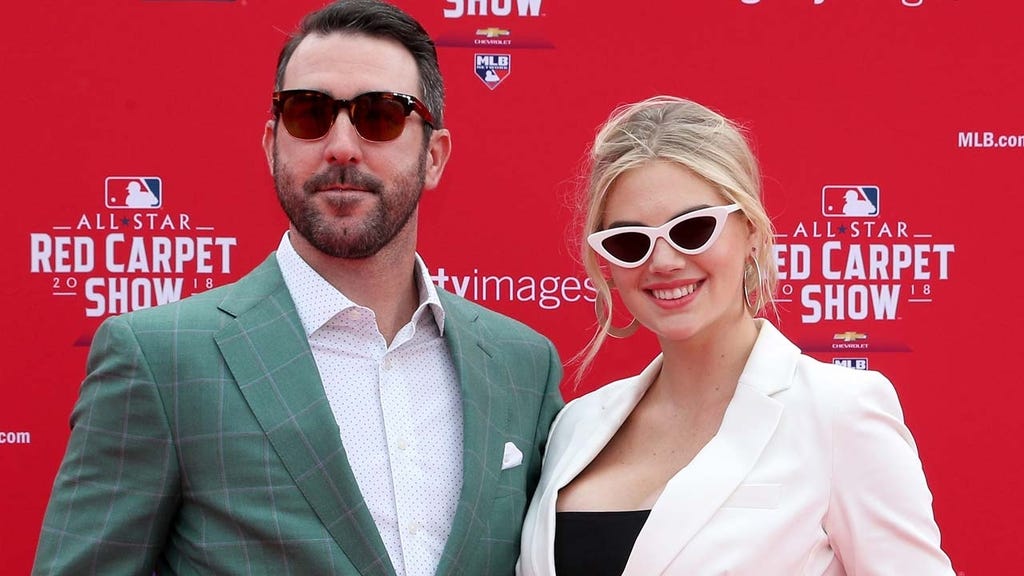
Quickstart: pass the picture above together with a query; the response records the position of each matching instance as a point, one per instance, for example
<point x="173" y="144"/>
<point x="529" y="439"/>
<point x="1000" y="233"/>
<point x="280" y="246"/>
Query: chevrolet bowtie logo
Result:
<point x="492" y="32"/>
<point x="850" y="336"/>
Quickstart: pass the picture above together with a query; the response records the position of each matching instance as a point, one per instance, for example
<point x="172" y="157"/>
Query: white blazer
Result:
<point x="812" y="473"/>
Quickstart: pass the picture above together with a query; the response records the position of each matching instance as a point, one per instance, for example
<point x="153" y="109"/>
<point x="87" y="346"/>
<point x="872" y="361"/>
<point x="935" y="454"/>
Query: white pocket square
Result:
<point x="512" y="457"/>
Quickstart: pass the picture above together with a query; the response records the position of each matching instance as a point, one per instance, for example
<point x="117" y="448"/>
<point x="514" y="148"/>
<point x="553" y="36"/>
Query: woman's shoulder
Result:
<point x="616" y="392"/>
<point x="838" y="379"/>
<point x="603" y="403"/>
<point x="603" y="395"/>
<point x="845" y="392"/>
<point x="777" y="355"/>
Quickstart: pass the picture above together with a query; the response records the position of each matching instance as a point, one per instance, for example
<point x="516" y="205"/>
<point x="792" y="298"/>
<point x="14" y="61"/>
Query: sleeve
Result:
<point x="551" y="404"/>
<point x="118" y="485"/>
<point x="553" y="401"/>
<point x="880" y="518"/>
<point x="551" y="409"/>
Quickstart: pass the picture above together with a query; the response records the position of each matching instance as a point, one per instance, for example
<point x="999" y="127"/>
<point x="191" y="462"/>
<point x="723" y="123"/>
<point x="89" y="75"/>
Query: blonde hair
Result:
<point x="667" y="128"/>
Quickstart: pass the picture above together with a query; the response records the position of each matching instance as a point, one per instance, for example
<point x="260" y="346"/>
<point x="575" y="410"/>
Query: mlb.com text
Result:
<point x="15" y="438"/>
<point x="989" y="140"/>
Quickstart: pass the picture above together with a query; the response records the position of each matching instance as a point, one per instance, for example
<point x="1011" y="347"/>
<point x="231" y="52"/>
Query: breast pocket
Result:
<point x="755" y="496"/>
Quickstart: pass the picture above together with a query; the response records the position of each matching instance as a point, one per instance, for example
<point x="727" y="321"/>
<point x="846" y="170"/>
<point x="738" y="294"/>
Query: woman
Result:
<point x="731" y="453"/>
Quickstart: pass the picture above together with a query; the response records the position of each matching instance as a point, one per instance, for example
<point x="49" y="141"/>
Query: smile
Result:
<point x="674" y="293"/>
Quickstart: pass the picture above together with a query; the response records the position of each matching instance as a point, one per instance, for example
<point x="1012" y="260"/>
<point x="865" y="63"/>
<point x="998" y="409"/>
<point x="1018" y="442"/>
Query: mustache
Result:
<point x="343" y="175"/>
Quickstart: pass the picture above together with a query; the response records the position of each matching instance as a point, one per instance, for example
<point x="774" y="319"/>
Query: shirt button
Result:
<point x="402" y="444"/>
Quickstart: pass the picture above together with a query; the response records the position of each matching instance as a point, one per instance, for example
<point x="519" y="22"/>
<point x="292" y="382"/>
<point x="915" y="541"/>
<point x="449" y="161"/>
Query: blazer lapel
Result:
<point x="696" y="492"/>
<point x="590" y="432"/>
<point x="486" y="414"/>
<point x="267" y="351"/>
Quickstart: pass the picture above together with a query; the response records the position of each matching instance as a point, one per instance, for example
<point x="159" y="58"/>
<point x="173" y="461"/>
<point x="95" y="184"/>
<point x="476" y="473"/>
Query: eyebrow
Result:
<point x="623" y="223"/>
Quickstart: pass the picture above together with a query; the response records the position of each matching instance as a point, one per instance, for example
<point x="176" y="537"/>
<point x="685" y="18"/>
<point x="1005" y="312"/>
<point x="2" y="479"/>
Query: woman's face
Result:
<point x="675" y="295"/>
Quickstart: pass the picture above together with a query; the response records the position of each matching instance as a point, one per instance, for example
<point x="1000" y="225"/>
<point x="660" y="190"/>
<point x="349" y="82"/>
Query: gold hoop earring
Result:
<point x="613" y="331"/>
<point x="760" y="281"/>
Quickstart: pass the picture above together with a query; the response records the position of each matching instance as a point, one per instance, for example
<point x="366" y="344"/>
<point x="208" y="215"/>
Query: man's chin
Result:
<point x="348" y="246"/>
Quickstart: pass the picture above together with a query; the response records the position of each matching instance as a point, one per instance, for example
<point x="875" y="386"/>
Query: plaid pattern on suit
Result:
<point x="202" y="443"/>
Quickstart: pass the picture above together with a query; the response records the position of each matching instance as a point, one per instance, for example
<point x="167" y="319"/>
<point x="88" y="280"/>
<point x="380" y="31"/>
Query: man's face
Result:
<point x="345" y="196"/>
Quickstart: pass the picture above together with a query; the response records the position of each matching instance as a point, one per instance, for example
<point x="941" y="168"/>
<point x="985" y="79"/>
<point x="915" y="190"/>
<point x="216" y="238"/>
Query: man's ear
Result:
<point x="439" y="149"/>
<point x="268" y="143"/>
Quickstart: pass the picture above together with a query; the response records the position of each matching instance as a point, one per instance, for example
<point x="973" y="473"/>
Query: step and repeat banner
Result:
<point x="890" y="133"/>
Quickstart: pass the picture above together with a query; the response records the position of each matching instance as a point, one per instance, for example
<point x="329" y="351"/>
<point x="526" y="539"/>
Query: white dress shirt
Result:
<point x="398" y="408"/>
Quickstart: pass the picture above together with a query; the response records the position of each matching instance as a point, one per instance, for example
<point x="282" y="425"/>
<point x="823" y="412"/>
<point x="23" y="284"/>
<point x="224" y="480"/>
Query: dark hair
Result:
<point x="379" y="20"/>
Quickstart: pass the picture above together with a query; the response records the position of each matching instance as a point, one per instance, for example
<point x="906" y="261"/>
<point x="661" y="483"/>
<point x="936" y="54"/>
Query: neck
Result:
<point x="706" y="368"/>
<point x="385" y="282"/>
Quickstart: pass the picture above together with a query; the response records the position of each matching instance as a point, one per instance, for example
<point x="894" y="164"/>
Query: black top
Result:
<point x="595" y="543"/>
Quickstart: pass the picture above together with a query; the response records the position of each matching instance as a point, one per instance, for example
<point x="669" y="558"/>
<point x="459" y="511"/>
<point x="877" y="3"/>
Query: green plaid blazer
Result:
<point x="202" y="443"/>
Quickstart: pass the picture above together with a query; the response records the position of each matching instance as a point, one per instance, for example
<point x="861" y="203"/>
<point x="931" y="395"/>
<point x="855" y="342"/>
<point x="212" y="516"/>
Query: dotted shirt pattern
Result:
<point x="398" y="408"/>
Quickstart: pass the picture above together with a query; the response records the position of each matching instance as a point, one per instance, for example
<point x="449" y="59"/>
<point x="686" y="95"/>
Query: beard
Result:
<point x="395" y="205"/>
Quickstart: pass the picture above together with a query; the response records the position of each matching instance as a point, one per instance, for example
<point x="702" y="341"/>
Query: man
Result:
<point x="332" y="412"/>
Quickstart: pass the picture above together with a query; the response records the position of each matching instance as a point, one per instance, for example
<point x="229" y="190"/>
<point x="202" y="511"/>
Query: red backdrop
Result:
<point x="915" y="104"/>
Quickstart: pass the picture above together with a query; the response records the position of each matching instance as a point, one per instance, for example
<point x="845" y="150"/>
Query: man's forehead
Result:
<point x="327" y="57"/>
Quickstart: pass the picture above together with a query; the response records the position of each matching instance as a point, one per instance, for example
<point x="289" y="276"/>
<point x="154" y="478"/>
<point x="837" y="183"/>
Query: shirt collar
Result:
<point x="316" y="301"/>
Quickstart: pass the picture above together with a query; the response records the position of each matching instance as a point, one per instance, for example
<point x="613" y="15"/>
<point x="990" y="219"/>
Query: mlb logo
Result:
<point x="849" y="201"/>
<point x="133" y="192"/>
<point x="855" y="363"/>
<point x="492" y="69"/>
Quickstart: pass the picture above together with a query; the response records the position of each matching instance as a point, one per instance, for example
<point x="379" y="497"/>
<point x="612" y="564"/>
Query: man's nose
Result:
<point x="343" y="143"/>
